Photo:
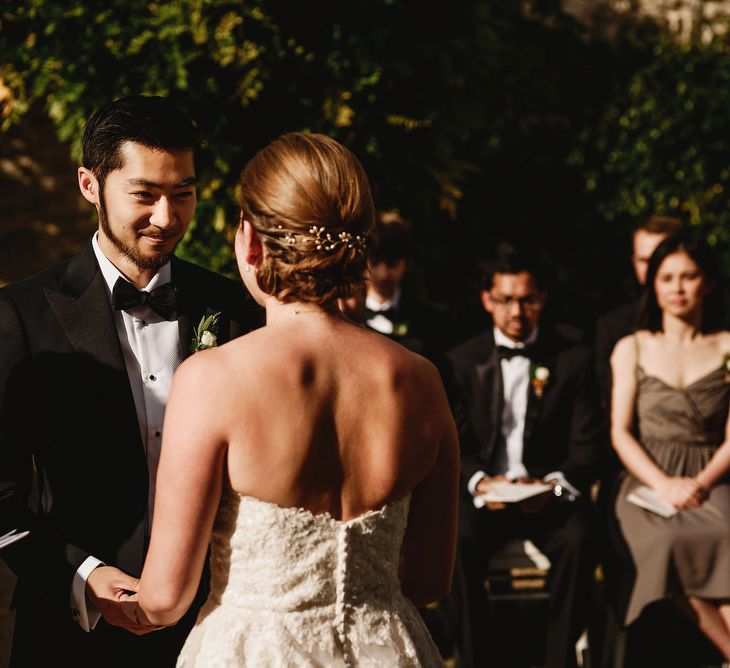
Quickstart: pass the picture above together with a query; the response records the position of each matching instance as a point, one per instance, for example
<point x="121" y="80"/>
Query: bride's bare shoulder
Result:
<point x="214" y="365"/>
<point x="403" y="365"/>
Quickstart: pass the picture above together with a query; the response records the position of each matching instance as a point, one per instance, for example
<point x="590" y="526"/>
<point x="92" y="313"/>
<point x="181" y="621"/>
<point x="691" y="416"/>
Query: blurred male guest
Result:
<point x="389" y="309"/>
<point x="87" y="353"/>
<point x="526" y="405"/>
<point x="622" y="321"/>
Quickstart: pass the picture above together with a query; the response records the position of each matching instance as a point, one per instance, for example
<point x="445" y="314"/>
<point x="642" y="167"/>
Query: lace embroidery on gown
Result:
<point x="290" y="588"/>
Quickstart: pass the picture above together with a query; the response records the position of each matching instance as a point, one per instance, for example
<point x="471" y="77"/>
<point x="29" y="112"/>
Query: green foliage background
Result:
<point x="491" y="119"/>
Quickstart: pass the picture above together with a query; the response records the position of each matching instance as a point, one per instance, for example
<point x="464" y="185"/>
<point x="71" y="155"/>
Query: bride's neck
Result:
<point x="279" y="312"/>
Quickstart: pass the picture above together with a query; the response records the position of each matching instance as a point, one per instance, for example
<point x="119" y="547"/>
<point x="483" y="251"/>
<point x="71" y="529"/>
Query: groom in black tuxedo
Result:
<point x="87" y="353"/>
<point x="526" y="406"/>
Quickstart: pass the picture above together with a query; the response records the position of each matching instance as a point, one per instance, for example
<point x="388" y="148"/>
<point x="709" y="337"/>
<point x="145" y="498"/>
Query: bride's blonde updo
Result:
<point x="309" y="200"/>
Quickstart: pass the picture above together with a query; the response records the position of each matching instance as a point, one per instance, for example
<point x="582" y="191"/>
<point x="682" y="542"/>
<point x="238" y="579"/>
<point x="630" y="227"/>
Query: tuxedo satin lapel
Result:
<point x="192" y="305"/>
<point x="490" y="395"/>
<point x="535" y="402"/>
<point x="184" y="327"/>
<point x="188" y="307"/>
<point x="83" y="311"/>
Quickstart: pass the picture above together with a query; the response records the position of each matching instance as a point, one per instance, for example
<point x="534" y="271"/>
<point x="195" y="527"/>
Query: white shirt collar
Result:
<point x="374" y="305"/>
<point x="111" y="273"/>
<point x="501" y="339"/>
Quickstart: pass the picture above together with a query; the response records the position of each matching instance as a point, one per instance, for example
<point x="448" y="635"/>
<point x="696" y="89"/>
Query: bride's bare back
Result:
<point x="312" y="412"/>
<point x="327" y="416"/>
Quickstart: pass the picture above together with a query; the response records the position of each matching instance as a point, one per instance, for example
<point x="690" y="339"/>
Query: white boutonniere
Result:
<point x="539" y="378"/>
<point x="204" y="336"/>
<point x="726" y="367"/>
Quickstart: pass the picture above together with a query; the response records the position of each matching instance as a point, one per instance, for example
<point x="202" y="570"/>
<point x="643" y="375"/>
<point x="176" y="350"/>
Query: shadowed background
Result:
<point x="556" y="124"/>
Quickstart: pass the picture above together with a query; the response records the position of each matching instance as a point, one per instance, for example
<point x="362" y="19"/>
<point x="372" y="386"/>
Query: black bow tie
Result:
<point x="161" y="300"/>
<point x="505" y="353"/>
<point x="390" y="313"/>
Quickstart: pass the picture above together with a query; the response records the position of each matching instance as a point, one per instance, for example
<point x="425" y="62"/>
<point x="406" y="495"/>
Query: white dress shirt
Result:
<point x="151" y="348"/>
<point x="507" y="460"/>
<point x="381" y="323"/>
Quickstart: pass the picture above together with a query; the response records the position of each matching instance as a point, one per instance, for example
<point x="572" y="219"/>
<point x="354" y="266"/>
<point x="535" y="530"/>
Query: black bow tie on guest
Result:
<point x="390" y="313"/>
<point x="505" y="353"/>
<point x="161" y="300"/>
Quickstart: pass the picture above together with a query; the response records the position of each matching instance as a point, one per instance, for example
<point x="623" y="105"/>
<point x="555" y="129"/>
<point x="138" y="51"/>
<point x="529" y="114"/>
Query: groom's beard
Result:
<point x="154" y="262"/>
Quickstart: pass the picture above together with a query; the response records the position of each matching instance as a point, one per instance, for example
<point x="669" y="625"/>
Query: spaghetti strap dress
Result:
<point x="687" y="554"/>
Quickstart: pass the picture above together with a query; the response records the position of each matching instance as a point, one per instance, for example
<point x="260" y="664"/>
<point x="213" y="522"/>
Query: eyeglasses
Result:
<point x="528" y="302"/>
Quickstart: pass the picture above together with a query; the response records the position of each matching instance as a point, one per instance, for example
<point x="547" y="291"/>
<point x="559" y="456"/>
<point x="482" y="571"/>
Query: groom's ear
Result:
<point x="88" y="185"/>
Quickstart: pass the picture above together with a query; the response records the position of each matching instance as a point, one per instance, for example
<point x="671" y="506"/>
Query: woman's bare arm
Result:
<point x="429" y="546"/>
<point x="189" y="483"/>
<point x="623" y="398"/>
<point x="719" y="465"/>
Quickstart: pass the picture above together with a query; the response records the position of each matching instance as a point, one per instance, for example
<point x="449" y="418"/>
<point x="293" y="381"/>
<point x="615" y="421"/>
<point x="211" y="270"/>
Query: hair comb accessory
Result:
<point x="322" y="240"/>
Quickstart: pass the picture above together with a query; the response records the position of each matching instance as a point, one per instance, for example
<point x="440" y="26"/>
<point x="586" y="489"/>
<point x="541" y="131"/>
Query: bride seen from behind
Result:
<point x="308" y="449"/>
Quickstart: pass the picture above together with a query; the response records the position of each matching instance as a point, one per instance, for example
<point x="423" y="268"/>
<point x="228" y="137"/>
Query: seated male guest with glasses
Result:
<point x="526" y="404"/>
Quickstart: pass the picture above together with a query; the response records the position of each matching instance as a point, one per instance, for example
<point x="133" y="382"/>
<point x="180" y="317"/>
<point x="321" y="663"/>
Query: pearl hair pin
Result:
<point x="324" y="241"/>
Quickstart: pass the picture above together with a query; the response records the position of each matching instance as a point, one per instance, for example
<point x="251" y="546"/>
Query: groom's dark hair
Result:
<point x="152" y="121"/>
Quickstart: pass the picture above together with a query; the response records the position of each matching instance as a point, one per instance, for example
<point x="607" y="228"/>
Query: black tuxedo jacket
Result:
<point x="611" y="327"/>
<point x="420" y="326"/>
<point x="66" y="407"/>
<point x="563" y="428"/>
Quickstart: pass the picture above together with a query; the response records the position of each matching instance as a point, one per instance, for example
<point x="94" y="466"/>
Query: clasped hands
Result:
<point x="534" y="504"/>
<point x="682" y="492"/>
<point x="114" y="594"/>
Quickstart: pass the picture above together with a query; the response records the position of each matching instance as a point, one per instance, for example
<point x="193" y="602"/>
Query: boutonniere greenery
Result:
<point x="204" y="336"/>
<point x="539" y="378"/>
<point x="726" y="367"/>
<point x="400" y="329"/>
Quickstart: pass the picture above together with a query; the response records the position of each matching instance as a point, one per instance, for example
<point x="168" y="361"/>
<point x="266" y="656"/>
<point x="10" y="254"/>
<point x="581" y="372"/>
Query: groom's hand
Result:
<point x="106" y="589"/>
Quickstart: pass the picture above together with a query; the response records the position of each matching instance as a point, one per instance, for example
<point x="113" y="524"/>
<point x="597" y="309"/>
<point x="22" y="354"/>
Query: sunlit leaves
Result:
<point x="670" y="151"/>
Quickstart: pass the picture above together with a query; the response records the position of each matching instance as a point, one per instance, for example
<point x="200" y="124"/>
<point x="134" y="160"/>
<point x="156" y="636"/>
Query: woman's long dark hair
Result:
<point x="650" y="314"/>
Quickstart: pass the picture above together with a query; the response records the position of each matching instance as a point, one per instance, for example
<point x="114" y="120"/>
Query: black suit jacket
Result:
<point x="420" y="326"/>
<point x="563" y="428"/>
<point x="66" y="405"/>
<point x="611" y="327"/>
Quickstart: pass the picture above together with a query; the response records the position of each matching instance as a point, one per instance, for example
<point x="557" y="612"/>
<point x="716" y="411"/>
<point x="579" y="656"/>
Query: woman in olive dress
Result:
<point x="669" y="425"/>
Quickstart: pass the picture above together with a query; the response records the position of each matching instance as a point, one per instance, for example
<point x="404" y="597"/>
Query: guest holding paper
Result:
<point x="526" y="404"/>
<point x="670" y="428"/>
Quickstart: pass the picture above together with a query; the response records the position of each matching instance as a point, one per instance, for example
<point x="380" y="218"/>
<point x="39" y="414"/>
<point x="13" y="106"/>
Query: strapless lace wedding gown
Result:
<point x="290" y="588"/>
